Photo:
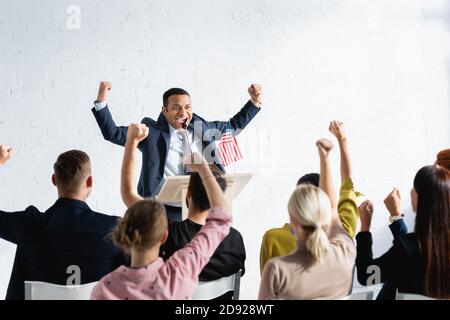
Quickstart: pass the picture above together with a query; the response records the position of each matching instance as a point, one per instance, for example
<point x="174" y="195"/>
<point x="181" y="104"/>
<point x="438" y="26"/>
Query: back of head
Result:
<point x="310" y="207"/>
<point x="432" y="184"/>
<point x="310" y="178"/>
<point x="171" y="92"/>
<point x="142" y="227"/>
<point x="443" y="158"/>
<point x="197" y="189"/>
<point x="71" y="170"/>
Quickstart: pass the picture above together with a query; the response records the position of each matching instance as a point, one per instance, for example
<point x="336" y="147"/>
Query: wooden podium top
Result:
<point x="171" y="190"/>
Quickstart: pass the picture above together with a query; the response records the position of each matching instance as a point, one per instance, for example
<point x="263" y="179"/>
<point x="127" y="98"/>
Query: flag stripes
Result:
<point x="229" y="150"/>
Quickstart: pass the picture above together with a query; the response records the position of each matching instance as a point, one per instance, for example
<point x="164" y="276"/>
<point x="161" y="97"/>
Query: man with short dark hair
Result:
<point x="229" y="257"/>
<point x="68" y="244"/>
<point x="166" y="144"/>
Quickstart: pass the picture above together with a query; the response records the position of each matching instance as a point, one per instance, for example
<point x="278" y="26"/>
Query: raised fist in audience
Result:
<point x="393" y="202"/>
<point x="324" y="146"/>
<point x="365" y="211"/>
<point x="137" y="132"/>
<point x="337" y="129"/>
<point x="105" y="86"/>
<point x="6" y="153"/>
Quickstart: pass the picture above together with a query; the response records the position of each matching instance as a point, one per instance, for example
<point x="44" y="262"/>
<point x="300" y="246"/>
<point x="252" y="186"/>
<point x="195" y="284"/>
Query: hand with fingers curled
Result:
<point x="6" y="153"/>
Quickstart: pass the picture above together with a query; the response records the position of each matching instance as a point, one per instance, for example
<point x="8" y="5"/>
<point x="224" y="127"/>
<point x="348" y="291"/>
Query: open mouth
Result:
<point x="182" y="122"/>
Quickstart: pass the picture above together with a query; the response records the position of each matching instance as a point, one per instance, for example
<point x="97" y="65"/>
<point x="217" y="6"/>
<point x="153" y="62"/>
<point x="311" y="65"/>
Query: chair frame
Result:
<point x="31" y="286"/>
<point x="236" y="284"/>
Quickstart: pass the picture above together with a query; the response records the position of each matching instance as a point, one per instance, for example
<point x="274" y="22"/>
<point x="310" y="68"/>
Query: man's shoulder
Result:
<point x="277" y="232"/>
<point x="149" y="121"/>
<point x="31" y="212"/>
<point x="235" y="233"/>
<point x="105" y="217"/>
<point x="196" y="117"/>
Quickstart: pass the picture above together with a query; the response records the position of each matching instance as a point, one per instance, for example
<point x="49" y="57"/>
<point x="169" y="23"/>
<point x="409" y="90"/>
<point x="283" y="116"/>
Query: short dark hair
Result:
<point x="199" y="197"/>
<point x="172" y="92"/>
<point x="310" y="178"/>
<point x="71" y="168"/>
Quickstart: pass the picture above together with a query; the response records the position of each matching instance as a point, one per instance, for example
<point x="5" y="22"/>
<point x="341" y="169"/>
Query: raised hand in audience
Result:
<point x="135" y="134"/>
<point x="6" y="153"/>
<point x="347" y="207"/>
<point x="324" y="146"/>
<point x="393" y="203"/>
<point x="337" y="129"/>
<point x="365" y="211"/>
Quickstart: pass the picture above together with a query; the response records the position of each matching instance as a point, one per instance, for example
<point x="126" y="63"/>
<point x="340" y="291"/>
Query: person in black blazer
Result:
<point x="418" y="262"/>
<point x="68" y="244"/>
<point x="161" y="154"/>
<point x="398" y="228"/>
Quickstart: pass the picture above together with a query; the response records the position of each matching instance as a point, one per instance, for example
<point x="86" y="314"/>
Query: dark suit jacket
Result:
<point x="389" y="290"/>
<point x="69" y="233"/>
<point x="401" y="267"/>
<point x="155" y="147"/>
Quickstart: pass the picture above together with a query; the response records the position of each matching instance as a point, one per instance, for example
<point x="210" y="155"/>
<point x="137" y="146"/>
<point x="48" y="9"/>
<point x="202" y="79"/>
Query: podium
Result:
<point x="174" y="190"/>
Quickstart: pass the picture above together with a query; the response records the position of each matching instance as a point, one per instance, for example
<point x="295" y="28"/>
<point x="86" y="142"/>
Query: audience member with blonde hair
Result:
<point x="321" y="267"/>
<point x="144" y="228"/>
<point x="278" y="242"/>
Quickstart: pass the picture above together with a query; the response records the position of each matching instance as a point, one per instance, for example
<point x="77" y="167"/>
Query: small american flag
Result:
<point x="229" y="150"/>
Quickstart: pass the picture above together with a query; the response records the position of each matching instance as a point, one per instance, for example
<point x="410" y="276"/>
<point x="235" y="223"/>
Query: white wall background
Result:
<point x="382" y="67"/>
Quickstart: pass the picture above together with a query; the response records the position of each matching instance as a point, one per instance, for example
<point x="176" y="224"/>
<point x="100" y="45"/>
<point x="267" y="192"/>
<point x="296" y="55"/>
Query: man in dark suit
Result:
<point x="165" y="146"/>
<point x="68" y="244"/>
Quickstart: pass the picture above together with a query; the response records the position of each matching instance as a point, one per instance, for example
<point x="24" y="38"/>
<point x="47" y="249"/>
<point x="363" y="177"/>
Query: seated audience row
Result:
<point x="143" y="256"/>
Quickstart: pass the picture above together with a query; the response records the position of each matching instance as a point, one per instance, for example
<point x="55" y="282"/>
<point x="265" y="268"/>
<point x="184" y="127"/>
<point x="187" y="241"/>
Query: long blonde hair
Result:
<point x="310" y="207"/>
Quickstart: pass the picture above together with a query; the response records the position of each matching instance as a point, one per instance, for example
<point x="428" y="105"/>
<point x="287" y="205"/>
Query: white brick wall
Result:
<point x="381" y="68"/>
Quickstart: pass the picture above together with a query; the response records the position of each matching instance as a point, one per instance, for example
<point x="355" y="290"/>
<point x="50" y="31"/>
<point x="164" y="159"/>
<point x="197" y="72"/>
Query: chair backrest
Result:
<point x="362" y="295"/>
<point x="411" y="296"/>
<point x="207" y="290"/>
<point x="36" y="290"/>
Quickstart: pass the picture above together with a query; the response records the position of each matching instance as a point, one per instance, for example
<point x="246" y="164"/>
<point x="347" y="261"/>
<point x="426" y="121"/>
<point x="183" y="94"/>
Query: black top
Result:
<point x="228" y="258"/>
<point x="67" y="234"/>
<point x="401" y="267"/>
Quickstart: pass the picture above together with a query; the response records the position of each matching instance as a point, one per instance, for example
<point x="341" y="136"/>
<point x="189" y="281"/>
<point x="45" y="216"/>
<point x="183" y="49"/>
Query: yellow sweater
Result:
<point x="281" y="241"/>
<point x="275" y="243"/>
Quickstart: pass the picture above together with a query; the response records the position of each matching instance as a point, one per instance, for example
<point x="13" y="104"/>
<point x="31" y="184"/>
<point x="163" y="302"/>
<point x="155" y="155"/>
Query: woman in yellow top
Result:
<point x="282" y="241"/>
<point x="321" y="266"/>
